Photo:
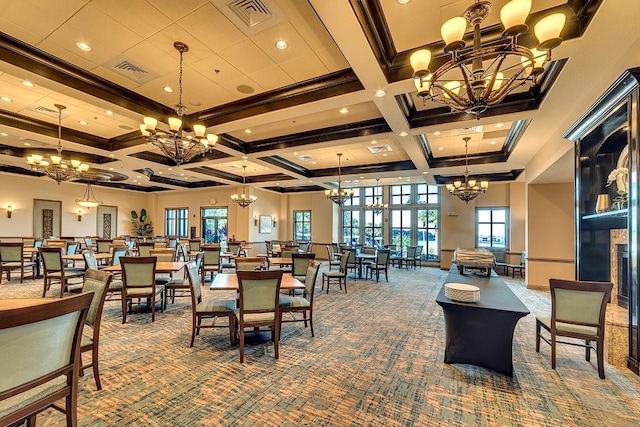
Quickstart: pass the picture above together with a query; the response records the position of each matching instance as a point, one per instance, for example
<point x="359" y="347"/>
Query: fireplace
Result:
<point x="622" y="283"/>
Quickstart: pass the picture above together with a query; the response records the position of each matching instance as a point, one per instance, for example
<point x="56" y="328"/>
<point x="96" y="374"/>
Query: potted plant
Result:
<point x="140" y="225"/>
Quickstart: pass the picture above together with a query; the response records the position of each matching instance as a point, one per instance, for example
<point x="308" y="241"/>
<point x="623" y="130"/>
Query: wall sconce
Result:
<point x="79" y="215"/>
<point x="9" y="211"/>
<point x="255" y="220"/>
<point x="275" y="222"/>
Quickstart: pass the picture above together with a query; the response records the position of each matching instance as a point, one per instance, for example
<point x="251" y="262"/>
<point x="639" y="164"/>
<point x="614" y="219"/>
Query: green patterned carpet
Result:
<point x="376" y="360"/>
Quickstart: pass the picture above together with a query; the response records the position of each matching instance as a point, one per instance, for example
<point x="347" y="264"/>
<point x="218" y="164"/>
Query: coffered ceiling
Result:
<point x="283" y="113"/>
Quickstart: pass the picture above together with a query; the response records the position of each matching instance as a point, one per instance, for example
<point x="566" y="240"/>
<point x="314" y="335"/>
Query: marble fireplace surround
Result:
<point x="617" y="320"/>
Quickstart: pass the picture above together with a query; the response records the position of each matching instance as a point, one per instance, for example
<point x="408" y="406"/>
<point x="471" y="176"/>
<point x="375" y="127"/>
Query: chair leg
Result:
<point x="600" y="356"/>
<point x="311" y="322"/>
<point x="96" y="369"/>
<point x="587" y="350"/>
<point x="276" y="338"/>
<point x="232" y="328"/>
<point x="124" y="309"/>
<point x="193" y="331"/>
<point x="241" y="343"/>
<point x="553" y="350"/>
<point x="537" y="336"/>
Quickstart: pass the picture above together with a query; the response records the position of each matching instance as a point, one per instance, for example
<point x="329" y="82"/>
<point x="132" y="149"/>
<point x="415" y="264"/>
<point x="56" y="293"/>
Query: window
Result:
<point x="302" y="225"/>
<point x="351" y="227"/>
<point x="373" y="229"/>
<point x="491" y="227"/>
<point x="176" y="222"/>
<point x="355" y="199"/>
<point x="428" y="233"/>
<point x="427" y="194"/>
<point x="401" y="228"/>
<point x="401" y="194"/>
<point x="214" y="225"/>
<point x="370" y="195"/>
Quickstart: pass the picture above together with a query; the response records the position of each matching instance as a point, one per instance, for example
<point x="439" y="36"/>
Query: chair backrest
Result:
<point x="51" y="243"/>
<point x="411" y="252"/>
<point x="72" y="248"/>
<point x="103" y="245"/>
<point x="344" y="260"/>
<point x="159" y="244"/>
<point x="120" y="242"/>
<point x="523" y="258"/>
<point x="138" y="272"/>
<point x="194" y="245"/>
<point x="303" y="246"/>
<point x="11" y="252"/>
<point x="351" y="258"/>
<point x="195" y="281"/>
<point x="418" y="253"/>
<point x="250" y="263"/>
<point x="90" y="260"/>
<point x="301" y="263"/>
<point x="286" y="254"/>
<point x="369" y="250"/>
<point x="211" y="255"/>
<point x="579" y="302"/>
<point x="172" y="241"/>
<point x="144" y="248"/>
<point x="56" y="353"/>
<point x="51" y="258"/>
<point x="234" y="248"/>
<point x="88" y="243"/>
<point x="29" y="242"/>
<point x="97" y="282"/>
<point x="310" y="278"/>
<point x="117" y="253"/>
<point x="38" y="243"/>
<point x="163" y="254"/>
<point x="259" y="292"/>
<point x="330" y="252"/>
<point x="382" y="257"/>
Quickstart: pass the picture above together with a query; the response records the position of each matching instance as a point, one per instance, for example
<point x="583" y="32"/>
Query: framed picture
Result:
<point x="265" y="224"/>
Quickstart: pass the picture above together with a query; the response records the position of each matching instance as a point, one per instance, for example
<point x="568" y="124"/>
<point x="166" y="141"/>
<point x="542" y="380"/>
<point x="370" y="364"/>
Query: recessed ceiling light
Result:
<point x="110" y="169"/>
<point x="493" y="142"/>
<point x="348" y="180"/>
<point x="403" y="1"/>
<point x="181" y="174"/>
<point x="313" y="163"/>
<point x="135" y="182"/>
<point x="108" y="112"/>
<point x="244" y="157"/>
<point x="138" y="177"/>
<point x="295" y="153"/>
<point x="169" y="169"/>
<point x="27" y="83"/>
<point x="112" y="155"/>
<point x="4" y="134"/>
<point x="436" y="133"/>
<point x="440" y="148"/>
<point x="83" y="46"/>
<point x="403" y="133"/>
<point x="195" y="103"/>
<point x="282" y="45"/>
<point x="424" y="173"/>
<point x="168" y="89"/>
<point x="380" y="93"/>
<point x="399" y="177"/>
<point x="499" y="125"/>
<point x="160" y="172"/>
<point x="384" y="155"/>
<point x="374" y="142"/>
<point x="310" y="181"/>
<point x="28" y="144"/>
<point x="247" y="131"/>
<point x="6" y="99"/>
<point x="82" y="122"/>
<point x="344" y="110"/>
<point x="362" y="177"/>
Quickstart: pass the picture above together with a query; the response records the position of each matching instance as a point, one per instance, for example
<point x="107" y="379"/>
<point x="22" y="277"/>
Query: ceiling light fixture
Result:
<point x="377" y="207"/>
<point x="83" y="46"/>
<point x="344" y="110"/>
<point x="56" y="168"/>
<point x="6" y="99"/>
<point x="469" y="190"/>
<point x="27" y="83"/>
<point x="242" y="199"/>
<point x="89" y="200"/>
<point x="282" y="45"/>
<point x="175" y="145"/>
<point x="380" y="93"/>
<point x="473" y="80"/>
<point x="339" y="195"/>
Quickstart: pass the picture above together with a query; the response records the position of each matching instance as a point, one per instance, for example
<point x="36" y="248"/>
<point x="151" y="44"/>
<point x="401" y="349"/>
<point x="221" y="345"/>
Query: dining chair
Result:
<point x="340" y="276"/>
<point x="97" y="282"/>
<point x="578" y="311"/>
<point x="118" y="252"/>
<point x="250" y="263"/>
<point x="259" y="304"/>
<point x="410" y="258"/>
<point x="139" y="281"/>
<point x="300" y="264"/>
<point x="194" y="245"/>
<point x="160" y="244"/>
<point x="115" y="286"/>
<point x="144" y="248"/>
<point x="173" y="241"/>
<point x="417" y="257"/>
<point x="381" y="264"/>
<point x="210" y="261"/>
<point x="208" y="309"/>
<point x="331" y="257"/>
<point x="103" y="246"/>
<point x="27" y="387"/>
<point x="12" y="258"/>
<point x="54" y="269"/>
<point x="301" y="304"/>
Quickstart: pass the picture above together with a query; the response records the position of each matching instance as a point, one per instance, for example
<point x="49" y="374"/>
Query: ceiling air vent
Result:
<point x="305" y="158"/>
<point x="251" y="16"/>
<point x="128" y="69"/>
<point x="379" y="148"/>
<point x="45" y="110"/>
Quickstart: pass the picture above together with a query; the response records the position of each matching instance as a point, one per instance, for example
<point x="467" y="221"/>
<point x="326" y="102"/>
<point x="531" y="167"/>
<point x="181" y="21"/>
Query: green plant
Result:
<point x="140" y="225"/>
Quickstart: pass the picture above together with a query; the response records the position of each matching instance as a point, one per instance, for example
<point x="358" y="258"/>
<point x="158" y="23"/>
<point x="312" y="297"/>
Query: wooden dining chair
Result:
<point x="301" y="304"/>
<point x="259" y="304"/>
<point x="340" y="276"/>
<point x="139" y="281"/>
<point x="54" y="269"/>
<point x="28" y="387"/>
<point x="12" y="258"/>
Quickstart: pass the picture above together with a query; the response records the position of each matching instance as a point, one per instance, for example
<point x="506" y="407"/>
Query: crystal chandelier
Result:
<point x="469" y="190"/>
<point x="242" y="199"/>
<point x="89" y="200"/>
<point x="56" y="168"/>
<point x="179" y="147"/>
<point x="478" y="78"/>
<point x="377" y="207"/>
<point x="339" y="195"/>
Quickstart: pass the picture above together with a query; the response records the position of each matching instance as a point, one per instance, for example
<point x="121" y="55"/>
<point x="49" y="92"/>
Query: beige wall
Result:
<point x="20" y="191"/>
<point x="550" y="233"/>
<point x="324" y="217"/>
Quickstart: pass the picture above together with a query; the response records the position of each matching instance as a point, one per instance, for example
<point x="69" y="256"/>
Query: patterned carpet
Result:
<point x="377" y="359"/>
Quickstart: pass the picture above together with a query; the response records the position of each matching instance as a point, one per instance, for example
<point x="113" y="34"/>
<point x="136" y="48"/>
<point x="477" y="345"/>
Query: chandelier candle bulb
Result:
<point x="513" y="16"/>
<point x="548" y="31"/>
<point x="452" y="33"/>
<point x="150" y="123"/>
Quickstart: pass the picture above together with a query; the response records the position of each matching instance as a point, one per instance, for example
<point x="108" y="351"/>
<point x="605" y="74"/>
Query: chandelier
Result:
<point x="477" y="78"/>
<point x="56" y="168"/>
<point x="377" y="207"/>
<point x="179" y="147"/>
<point x="469" y="190"/>
<point x="242" y="199"/>
<point x="339" y="195"/>
<point x="89" y="200"/>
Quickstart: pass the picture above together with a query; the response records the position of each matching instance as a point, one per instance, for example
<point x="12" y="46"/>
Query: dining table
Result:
<point x="229" y="282"/>
<point x="161" y="267"/>
<point x="80" y="257"/>
<point x="361" y="258"/>
<point x="279" y="261"/>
